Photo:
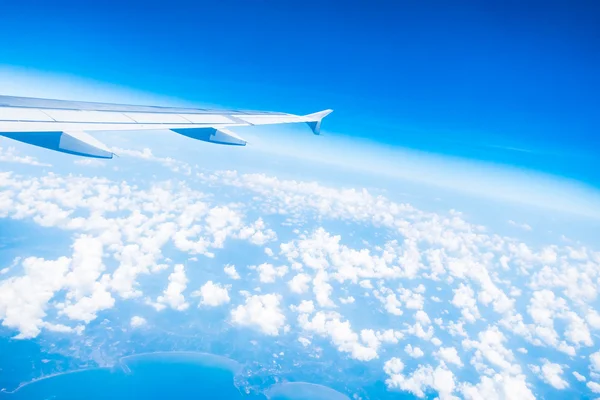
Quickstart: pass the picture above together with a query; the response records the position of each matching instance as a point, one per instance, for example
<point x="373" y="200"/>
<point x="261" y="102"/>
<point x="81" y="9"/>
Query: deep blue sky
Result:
<point x="477" y="79"/>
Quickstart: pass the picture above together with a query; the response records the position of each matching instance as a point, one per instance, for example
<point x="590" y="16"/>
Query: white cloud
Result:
<point x="388" y="336"/>
<point x="322" y="289"/>
<point x="173" y="294"/>
<point x="390" y="301"/>
<point x="90" y="162"/>
<point x="595" y="362"/>
<point x="523" y="226"/>
<point x="490" y="350"/>
<point x="212" y="294"/>
<point x="412" y="300"/>
<point x="449" y="355"/>
<point x="269" y="273"/>
<point x="299" y="283"/>
<point x="257" y="233"/>
<point x="231" y="272"/>
<point x="329" y="324"/>
<point x="137" y="321"/>
<point x="578" y="376"/>
<point x="393" y="366"/>
<point x="85" y="308"/>
<point x="414" y="352"/>
<point x="593" y="319"/>
<point x="366" y="284"/>
<point x="305" y="306"/>
<point x="86" y="266"/>
<point x="551" y="374"/>
<point x="439" y="379"/>
<point x="594" y="387"/>
<point x="419" y="331"/>
<point x="24" y="299"/>
<point x="465" y="300"/>
<point x="498" y="387"/>
<point x="10" y="155"/>
<point x="148" y="155"/>
<point x="422" y="318"/>
<point x="261" y="312"/>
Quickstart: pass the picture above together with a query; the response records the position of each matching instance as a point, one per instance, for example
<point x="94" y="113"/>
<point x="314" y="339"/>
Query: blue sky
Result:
<point x="504" y="82"/>
<point x="418" y="248"/>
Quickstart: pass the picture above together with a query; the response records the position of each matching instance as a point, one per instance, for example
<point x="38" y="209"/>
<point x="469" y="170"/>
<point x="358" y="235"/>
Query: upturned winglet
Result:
<point x="65" y="126"/>
<point x="314" y="120"/>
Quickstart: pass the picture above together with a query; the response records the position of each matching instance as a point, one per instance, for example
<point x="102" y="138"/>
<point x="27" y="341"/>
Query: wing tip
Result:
<point x="315" y="119"/>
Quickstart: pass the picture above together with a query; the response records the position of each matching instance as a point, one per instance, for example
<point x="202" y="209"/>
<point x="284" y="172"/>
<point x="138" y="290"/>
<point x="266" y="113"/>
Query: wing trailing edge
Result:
<point x="64" y="126"/>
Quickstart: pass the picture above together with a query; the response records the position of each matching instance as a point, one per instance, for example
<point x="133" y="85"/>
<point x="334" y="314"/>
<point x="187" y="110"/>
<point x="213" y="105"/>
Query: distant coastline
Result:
<point x="45" y="377"/>
<point x="208" y="359"/>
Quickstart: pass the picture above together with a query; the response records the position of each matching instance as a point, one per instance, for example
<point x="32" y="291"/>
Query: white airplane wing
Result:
<point x="65" y="125"/>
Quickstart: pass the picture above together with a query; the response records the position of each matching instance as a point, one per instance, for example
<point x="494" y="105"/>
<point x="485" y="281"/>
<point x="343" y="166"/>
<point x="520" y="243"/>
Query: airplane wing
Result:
<point x="65" y="125"/>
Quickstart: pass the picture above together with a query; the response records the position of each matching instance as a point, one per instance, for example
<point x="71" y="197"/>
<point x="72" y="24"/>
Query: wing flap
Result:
<point x="212" y="135"/>
<point x="74" y="142"/>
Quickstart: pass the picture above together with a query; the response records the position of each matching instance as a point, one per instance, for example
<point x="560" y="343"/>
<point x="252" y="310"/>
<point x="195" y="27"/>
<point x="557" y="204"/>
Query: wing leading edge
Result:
<point x="65" y="125"/>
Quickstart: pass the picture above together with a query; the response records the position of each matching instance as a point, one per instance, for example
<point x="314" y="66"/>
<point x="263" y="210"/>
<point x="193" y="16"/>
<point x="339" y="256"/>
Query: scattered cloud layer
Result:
<point x="10" y="155"/>
<point x="433" y="302"/>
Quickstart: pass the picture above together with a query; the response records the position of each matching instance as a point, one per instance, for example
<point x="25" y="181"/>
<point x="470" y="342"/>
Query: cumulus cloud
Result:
<point x="137" y="321"/>
<point x="329" y="324"/>
<point x="578" y="376"/>
<point x="551" y="373"/>
<point x="491" y="351"/>
<point x="299" y="283"/>
<point x="498" y="387"/>
<point x="414" y="352"/>
<point x="464" y="299"/>
<point x="594" y="387"/>
<point x="268" y="273"/>
<point x="212" y="294"/>
<point x="231" y="272"/>
<point x="173" y="294"/>
<point x="261" y="312"/>
<point x="449" y="355"/>
<point x="120" y="220"/>
<point x="595" y="362"/>
<point x="257" y="233"/>
<point x="440" y="379"/>
<point x="305" y="306"/>
<point x="390" y="301"/>
<point x="11" y="155"/>
<point x="24" y="299"/>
